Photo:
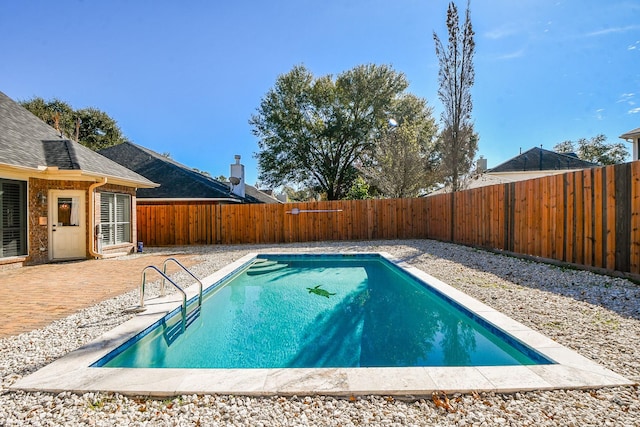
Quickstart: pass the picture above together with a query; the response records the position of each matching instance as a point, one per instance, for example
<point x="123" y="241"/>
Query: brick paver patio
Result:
<point x="34" y="296"/>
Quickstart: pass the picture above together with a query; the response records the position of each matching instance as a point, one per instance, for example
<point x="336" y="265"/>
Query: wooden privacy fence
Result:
<point x="189" y="223"/>
<point x="589" y="217"/>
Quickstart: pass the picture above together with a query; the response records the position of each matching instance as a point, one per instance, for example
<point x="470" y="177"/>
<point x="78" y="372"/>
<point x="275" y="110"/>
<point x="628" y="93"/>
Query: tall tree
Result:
<point x="300" y="195"/>
<point x="458" y="141"/>
<point x="595" y="150"/>
<point x="404" y="161"/>
<point x="91" y="127"/>
<point x="312" y="130"/>
<point x="97" y="130"/>
<point x="56" y="113"/>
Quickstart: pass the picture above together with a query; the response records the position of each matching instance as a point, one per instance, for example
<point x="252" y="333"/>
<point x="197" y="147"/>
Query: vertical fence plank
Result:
<point x="589" y="211"/>
<point x="559" y="233"/>
<point x="462" y="227"/>
<point x="622" y="221"/>
<point x="142" y="221"/>
<point x="482" y="220"/>
<point x="568" y="217"/>
<point x="217" y="218"/>
<point x="547" y="205"/>
<point x="532" y="217"/>
<point x="537" y="216"/>
<point x="610" y="220"/>
<point x="579" y="222"/>
<point x="599" y="237"/>
<point x="520" y="217"/>
<point x="634" y="250"/>
<point x="491" y="201"/>
<point x="497" y="215"/>
<point x="429" y="213"/>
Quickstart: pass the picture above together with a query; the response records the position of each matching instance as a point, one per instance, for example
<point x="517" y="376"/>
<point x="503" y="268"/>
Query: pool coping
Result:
<point x="72" y="372"/>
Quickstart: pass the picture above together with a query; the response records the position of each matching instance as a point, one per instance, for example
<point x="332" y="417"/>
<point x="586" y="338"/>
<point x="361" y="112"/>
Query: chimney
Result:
<point x="481" y="165"/>
<point x="236" y="179"/>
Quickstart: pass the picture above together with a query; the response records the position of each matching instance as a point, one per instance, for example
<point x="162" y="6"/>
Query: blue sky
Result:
<point x="185" y="77"/>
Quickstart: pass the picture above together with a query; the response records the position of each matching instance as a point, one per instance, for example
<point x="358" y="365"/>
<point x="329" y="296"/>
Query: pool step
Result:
<point x="263" y="263"/>
<point x="264" y="266"/>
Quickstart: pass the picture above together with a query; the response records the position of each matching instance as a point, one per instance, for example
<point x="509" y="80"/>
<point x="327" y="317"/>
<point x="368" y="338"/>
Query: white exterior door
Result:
<point x="68" y="235"/>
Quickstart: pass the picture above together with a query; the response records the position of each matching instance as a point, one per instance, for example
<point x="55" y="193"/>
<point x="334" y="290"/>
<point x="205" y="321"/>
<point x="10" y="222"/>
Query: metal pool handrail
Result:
<point x="164" y="271"/>
<point x="164" y="276"/>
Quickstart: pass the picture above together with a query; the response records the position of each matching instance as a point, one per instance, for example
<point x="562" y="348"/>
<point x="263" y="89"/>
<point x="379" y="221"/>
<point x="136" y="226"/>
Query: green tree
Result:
<point x="458" y="141"/>
<point x="565" y="147"/>
<point x="97" y="130"/>
<point x="595" y="150"/>
<point x="359" y="190"/>
<point x="301" y="195"/>
<point x="312" y="130"/>
<point x="56" y="113"/>
<point x="91" y="127"/>
<point x="404" y="161"/>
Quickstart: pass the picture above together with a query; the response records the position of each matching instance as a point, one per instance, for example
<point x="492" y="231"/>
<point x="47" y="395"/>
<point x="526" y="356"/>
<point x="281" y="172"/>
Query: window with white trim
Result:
<point x="115" y="218"/>
<point x="13" y="218"/>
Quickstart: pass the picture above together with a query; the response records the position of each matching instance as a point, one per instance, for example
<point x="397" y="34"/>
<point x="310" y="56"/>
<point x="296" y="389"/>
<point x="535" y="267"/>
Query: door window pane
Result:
<point x="64" y="211"/>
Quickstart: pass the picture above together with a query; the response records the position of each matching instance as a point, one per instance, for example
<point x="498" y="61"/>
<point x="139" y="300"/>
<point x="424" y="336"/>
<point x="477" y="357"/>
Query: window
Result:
<point x="115" y="218"/>
<point x="68" y="211"/>
<point x="13" y="221"/>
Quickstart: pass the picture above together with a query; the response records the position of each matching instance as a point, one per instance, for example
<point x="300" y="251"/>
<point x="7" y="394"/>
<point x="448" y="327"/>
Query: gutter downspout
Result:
<point x="92" y="206"/>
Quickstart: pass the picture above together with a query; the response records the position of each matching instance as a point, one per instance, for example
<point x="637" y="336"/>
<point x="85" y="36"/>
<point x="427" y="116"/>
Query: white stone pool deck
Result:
<point x="73" y="372"/>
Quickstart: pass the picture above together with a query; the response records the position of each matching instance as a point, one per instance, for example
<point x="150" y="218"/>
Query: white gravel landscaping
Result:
<point x="597" y="316"/>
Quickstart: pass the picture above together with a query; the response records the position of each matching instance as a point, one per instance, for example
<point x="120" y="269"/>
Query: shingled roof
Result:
<point x="176" y="181"/>
<point x="28" y="143"/>
<point x="539" y="159"/>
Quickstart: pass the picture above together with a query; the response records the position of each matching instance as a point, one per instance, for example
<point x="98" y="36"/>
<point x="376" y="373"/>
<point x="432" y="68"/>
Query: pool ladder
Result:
<point x="165" y="278"/>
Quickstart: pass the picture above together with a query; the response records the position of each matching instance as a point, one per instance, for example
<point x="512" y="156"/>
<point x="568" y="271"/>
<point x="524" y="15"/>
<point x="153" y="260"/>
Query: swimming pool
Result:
<point x="321" y="311"/>
<point x="76" y="371"/>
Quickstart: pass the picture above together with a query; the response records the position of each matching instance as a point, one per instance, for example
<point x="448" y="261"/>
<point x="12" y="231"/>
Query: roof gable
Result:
<point x="538" y="159"/>
<point x="176" y="180"/>
<point x="29" y="143"/>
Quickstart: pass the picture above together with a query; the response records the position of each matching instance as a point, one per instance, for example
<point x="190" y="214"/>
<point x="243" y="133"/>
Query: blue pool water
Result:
<point x="320" y="311"/>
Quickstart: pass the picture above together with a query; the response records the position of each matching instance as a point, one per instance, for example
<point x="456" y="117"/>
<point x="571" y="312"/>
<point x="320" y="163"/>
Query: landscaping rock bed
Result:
<point x="597" y="316"/>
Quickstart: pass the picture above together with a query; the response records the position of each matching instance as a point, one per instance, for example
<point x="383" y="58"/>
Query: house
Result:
<point x="633" y="136"/>
<point x="60" y="200"/>
<point x="534" y="163"/>
<point x="179" y="183"/>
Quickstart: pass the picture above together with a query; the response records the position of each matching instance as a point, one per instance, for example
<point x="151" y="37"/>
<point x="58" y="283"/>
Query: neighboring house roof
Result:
<point x="631" y="134"/>
<point x="539" y="159"/>
<point x="531" y="164"/>
<point x="262" y="196"/>
<point x="27" y="143"/>
<point x="479" y="180"/>
<point x="177" y="181"/>
<point x="252" y="191"/>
